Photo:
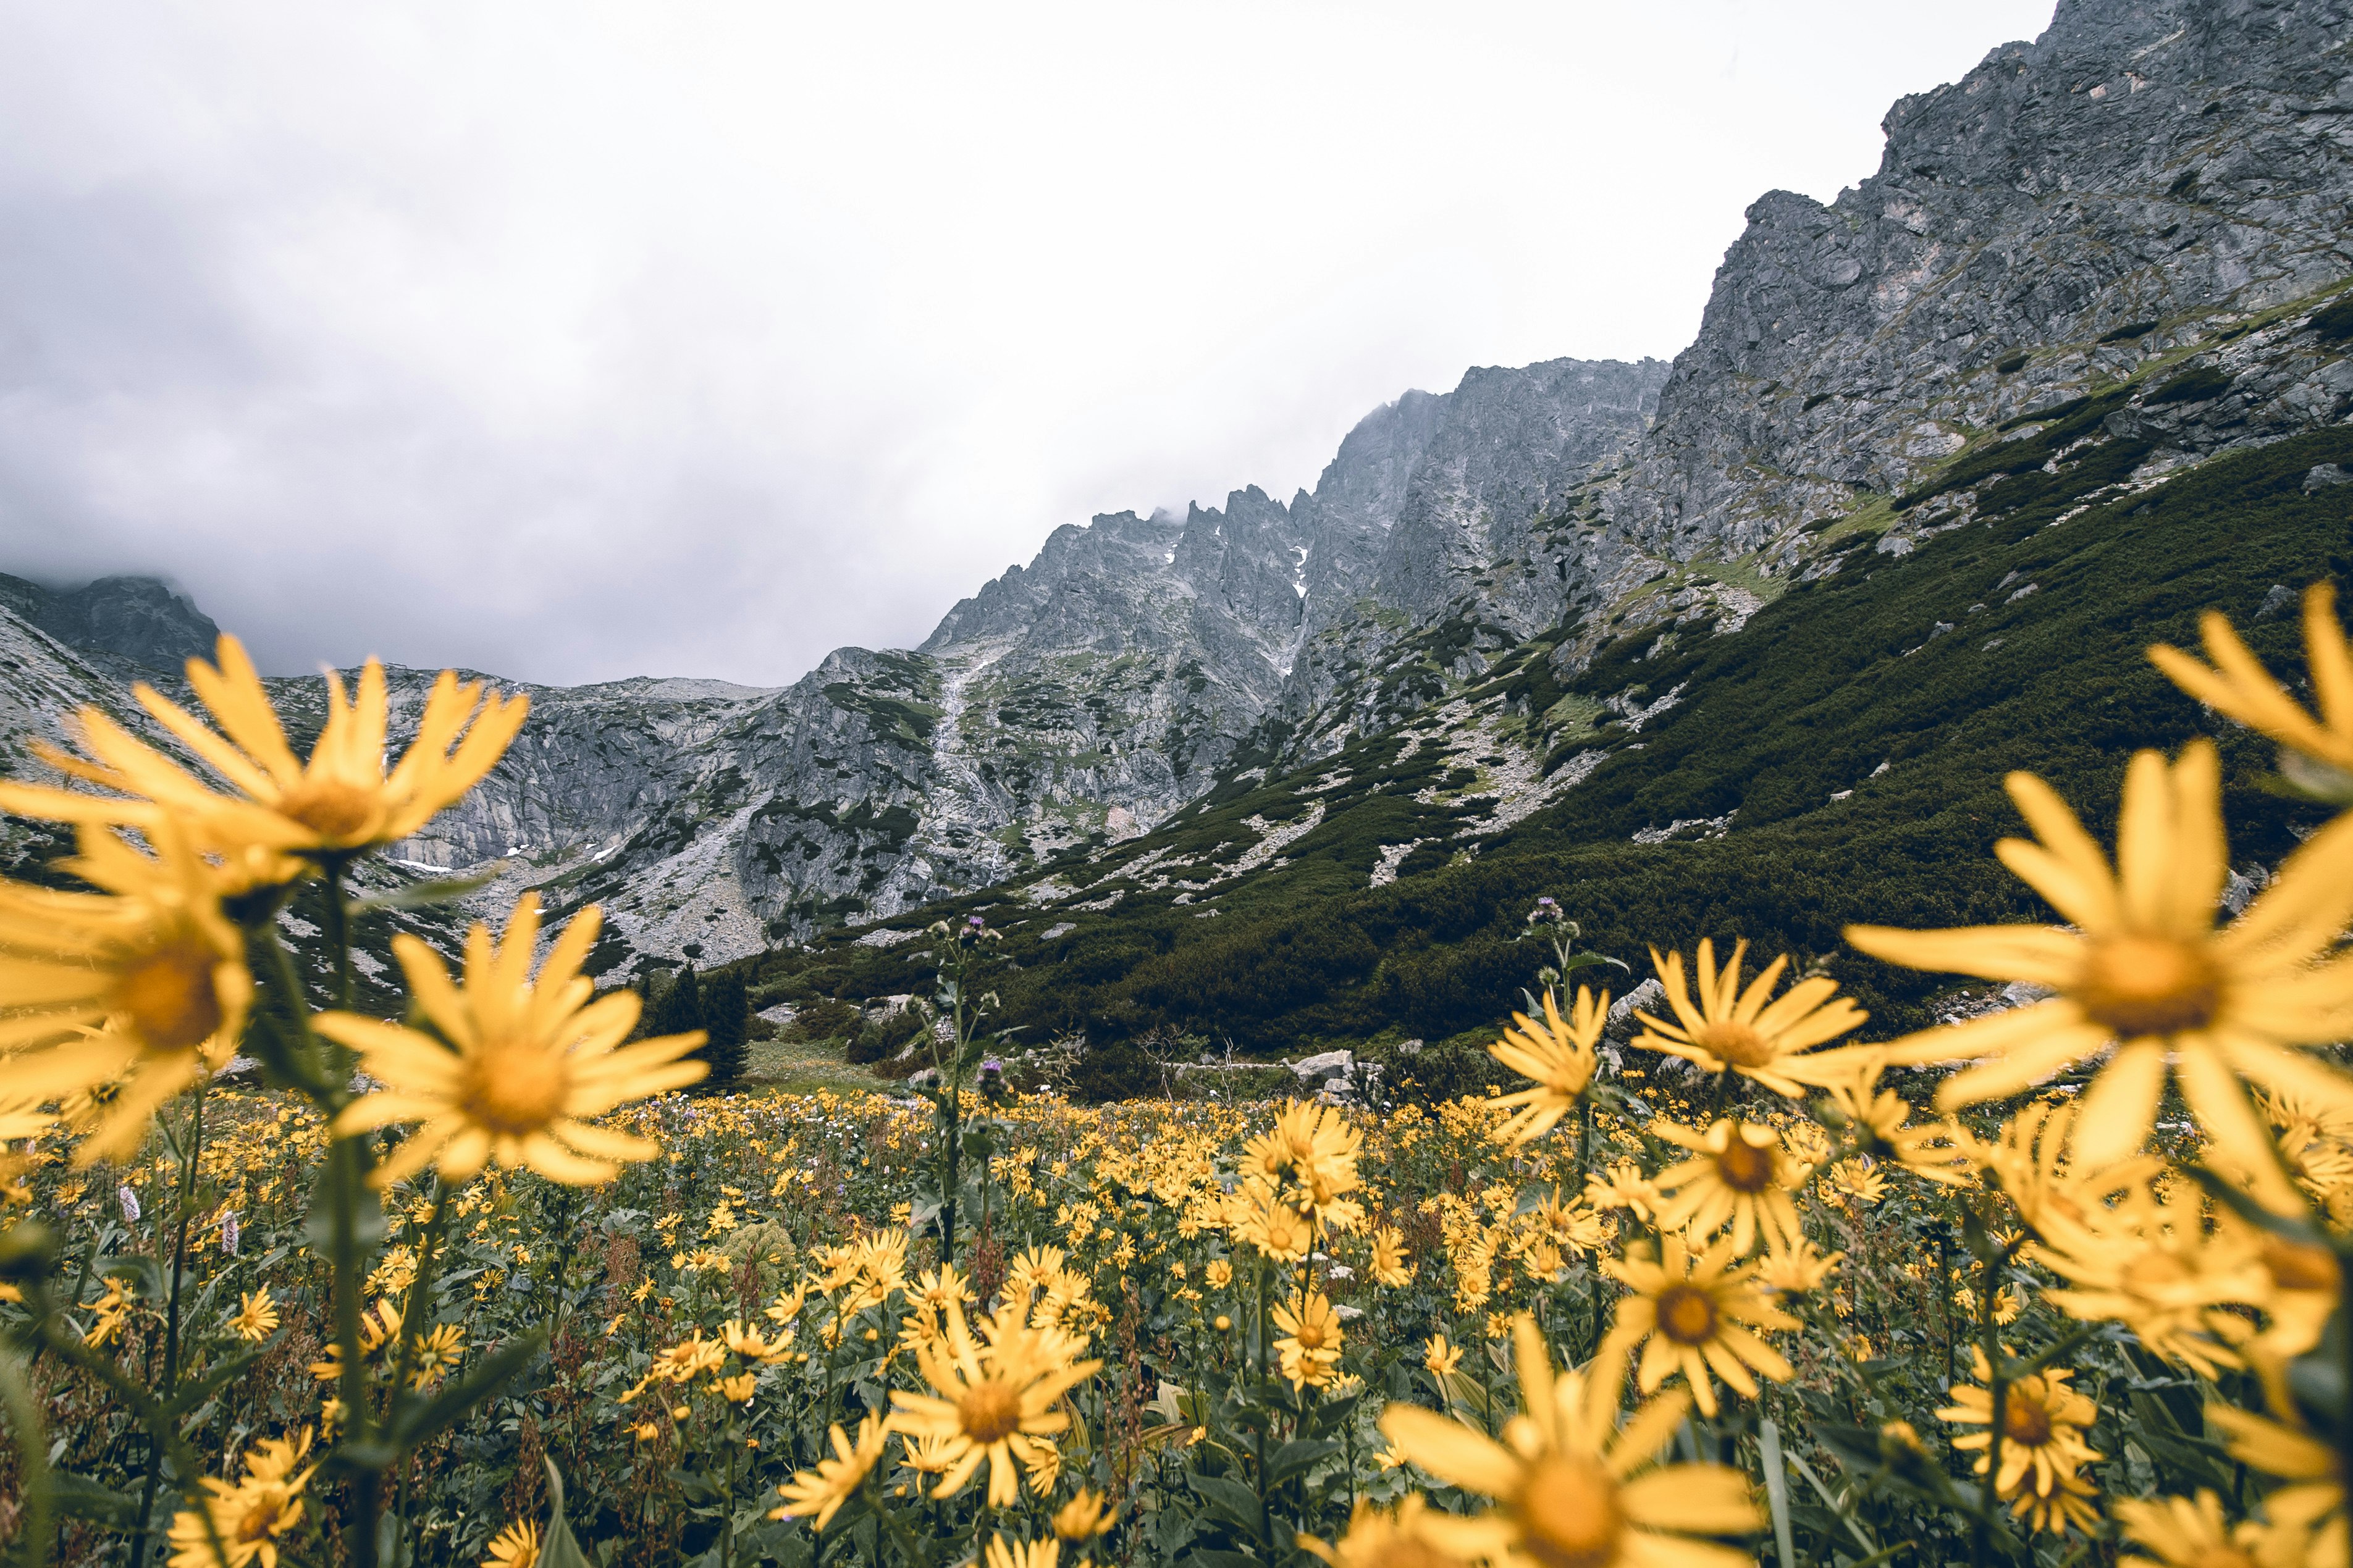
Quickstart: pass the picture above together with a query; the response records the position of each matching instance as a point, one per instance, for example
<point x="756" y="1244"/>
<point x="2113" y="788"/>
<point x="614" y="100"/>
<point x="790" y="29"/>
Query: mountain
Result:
<point x="2089" y="282"/>
<point x="142" y="619"/>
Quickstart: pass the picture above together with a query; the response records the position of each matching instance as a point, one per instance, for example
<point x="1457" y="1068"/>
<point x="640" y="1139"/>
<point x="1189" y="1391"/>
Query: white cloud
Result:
<point x="576" y="342"/>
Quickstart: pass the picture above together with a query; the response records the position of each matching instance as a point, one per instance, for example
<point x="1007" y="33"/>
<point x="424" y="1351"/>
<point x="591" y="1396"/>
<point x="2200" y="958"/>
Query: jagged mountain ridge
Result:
<point x="2140" y="193"/>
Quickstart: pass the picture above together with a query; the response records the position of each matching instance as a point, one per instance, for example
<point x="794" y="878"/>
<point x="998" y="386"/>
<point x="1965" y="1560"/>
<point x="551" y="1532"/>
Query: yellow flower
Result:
<point x="1218" y="1274"/>
<point x="1003" y="1554"/>
<point x="1084" y="1516"/>
<point x="1729" y="1027"/>
<point x="1856" y="1180"/>
<point x="1306" y="1161"/>
<point x="689" y="1359"/>
<point x="1560" y="1059"/>
<point x="835" y="1481"/>
<point x="738" y="1390"/>
<point x="1310" y="1347"/>
<point x="342" y="801"/>
<point x="991" y="1403"/>
<point x="525" y="1065"/>
<point x="751" y="1343"/>
<point x="2239" y="686"/>
<point x="1441" y="1357"/>
<point x="1798" y="1269"/>
<point x="258" y="1318"/>
<point x="250" y="1515"/>
<point x="2184" y="1533"/>
<point x="1941" y="1151"/>
<point x="1260" y="1218"/>
<point x="2314" y="1499"/>
<point x="1392" y="1266"/>
<point x="1741" y="1177"/>
<point x="1624" y="1188"/>
<point x="2147" y="973"/>
<point x="144" y="983"/>
<point x="516" y="1546"/>
<point x="1697" y="1313"/>
<point x="1568" y="1481"/>
<point x="2043" y="1425"/>
<point x="2154" y="1263"/>
<point x="1378" y="1537"/>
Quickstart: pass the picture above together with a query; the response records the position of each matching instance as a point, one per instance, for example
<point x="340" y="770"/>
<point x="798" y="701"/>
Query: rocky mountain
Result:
<point x="143" y="619"/>
<point x="2093" y="264"/>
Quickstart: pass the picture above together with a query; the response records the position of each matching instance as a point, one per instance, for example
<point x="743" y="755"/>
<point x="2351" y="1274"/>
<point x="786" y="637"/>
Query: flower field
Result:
<point x="488" y="1284"/>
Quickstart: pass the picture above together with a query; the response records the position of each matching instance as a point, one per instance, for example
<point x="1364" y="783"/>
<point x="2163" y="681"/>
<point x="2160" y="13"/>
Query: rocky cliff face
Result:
<point x="2131" y="222"/>
<point x="141" y="619"/>
<point x="2141" y="177"/>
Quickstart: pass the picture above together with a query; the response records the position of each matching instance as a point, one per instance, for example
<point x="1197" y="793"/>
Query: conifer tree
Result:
<point x="726" y="1014"/>
<point x="678" y="1009"/>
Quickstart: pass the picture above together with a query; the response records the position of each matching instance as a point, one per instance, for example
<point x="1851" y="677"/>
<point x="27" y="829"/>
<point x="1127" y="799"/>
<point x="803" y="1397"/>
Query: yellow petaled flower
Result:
<point x="1391" y="1265"/>
<point x="1378" y="1537"/>
<point x="689" y="1359"/>
<point x="1569" y="1482"/>
<point x="1260" y="1218"/>
<point x="1084" y="1516"/>
<point x="2314" y="1499"/>
<point x="1624" y="1188"/>
<point x="1003" y="1554"/>
<point x="250" y="1515"/>
<point x="2238" y="685"/>
<point x="1306" y="1161"/>
<point x="1218" y="1274"/>
<point x="750" y="1343"/>
<point x="258" y="1318"/>
<point x="2185" y="1532"/>
<point x="1697" y="1313"/>
<point x="1741" y="1176"/>
<point x="525" y="1066"/>
<point x="141" y="988"/>
<point x="1441" y="1357"/>
<point x="1856" y="1180"/>
<point x="2156" y="1264"/>
<point x="1798" y="1269"/>
<point x="340" y="802"/>
<point x="516" y="1546"/>
<point x="1941" y="1151"/>
<point x="1558" y="1056"/>
<point x="1310" y="1347"/>
<point x="2146" y="971"/>
<point x="738" y="1390"/>
<point x="2042" y="1423"/>
<point x="992" y="1402"/>
<point x="835" y="1481"/>
<point x="1729" y="1027"/>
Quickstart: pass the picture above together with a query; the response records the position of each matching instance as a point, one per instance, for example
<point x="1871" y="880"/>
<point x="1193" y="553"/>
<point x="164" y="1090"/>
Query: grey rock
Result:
<point x="2279" y="601"/>
<point x="2324" y="475"/>
<point x="143" y="619"/>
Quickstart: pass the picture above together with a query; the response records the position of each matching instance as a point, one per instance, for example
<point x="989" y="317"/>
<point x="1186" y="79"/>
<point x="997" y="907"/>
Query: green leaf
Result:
<point x="419" y="1423"/>
<point x="559" y="1550"/>
<point x="1231" y="1501"/>
<point x="1296" y="1457"/>
<point x="79" y="1497"/>
<point x="195" y="1393"/>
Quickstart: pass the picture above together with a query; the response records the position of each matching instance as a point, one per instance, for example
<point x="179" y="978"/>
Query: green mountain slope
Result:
<point x="2013" y="641"/>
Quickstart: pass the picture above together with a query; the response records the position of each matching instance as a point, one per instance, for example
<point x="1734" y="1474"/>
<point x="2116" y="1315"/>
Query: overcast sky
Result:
<point x="574" y="341"/>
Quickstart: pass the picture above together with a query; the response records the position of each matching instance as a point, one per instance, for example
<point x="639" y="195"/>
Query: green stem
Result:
<point x="32" y="1460"/>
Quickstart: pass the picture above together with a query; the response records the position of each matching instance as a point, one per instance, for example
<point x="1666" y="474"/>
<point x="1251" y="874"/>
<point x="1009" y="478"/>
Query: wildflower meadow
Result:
<point x="492" y="1283"/>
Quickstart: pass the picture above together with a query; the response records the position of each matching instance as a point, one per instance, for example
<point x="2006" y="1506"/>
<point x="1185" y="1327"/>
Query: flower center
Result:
<point x="333" y="809"/>
<point x="2299" y="1267"/>
<point x="989" y="1412"/>
<point x="169" y="997"/>
<point x="2025" y="1419"/>
<point x="1686" y="1314"/>
<point x="1310" y="1335"/>
<point x="518" y="1088"/>
<point x="1737" y="1043"/>
<point x="2140" y="986"/>
<point x="1742" y="1167"/>
<point x="1569" y="1514"/>
<point x="262" y="1519"/>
